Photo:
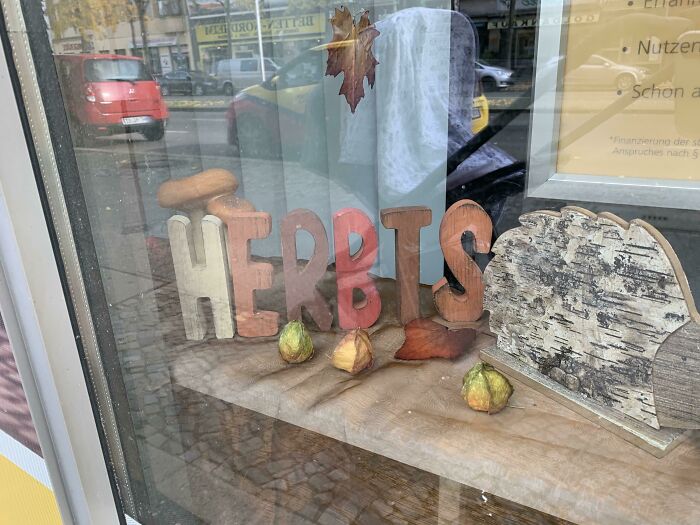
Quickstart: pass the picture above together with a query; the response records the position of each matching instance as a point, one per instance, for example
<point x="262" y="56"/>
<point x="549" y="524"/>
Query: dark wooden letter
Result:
<point x="300" y="285"/>
<point x="407" y="221"/>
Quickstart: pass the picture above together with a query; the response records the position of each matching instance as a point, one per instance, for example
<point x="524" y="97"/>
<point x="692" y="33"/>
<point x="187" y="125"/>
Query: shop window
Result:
<point x="397" y="276"/>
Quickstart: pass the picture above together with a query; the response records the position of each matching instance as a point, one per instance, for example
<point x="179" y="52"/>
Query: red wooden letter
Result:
<point x="351" y="270"/>
<point x="300" y="284"/>
<point x="463" y="216"/>
<point x="249" y="276"/>
<point x="407" y="221"/>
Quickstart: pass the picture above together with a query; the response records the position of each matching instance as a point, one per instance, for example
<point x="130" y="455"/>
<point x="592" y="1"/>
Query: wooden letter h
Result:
<point x="208" y="277"/>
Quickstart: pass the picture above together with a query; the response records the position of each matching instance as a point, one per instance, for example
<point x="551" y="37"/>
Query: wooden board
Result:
<point x="536" y="452"/>
<point x="587" y="300"/>
<point x="657" y="442"/>
<point x="676" y="378"/>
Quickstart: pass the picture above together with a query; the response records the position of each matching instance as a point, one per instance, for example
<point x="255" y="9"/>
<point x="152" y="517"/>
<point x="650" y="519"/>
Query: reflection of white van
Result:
<point x="239" y="73"/>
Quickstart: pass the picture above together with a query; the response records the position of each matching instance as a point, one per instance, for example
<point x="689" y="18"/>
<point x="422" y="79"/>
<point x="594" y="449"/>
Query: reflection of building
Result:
<point x="168" y="40"/>
<point x="283" y="36"/>
<point x="492" y="21"/>
<point x="283" y="32"/>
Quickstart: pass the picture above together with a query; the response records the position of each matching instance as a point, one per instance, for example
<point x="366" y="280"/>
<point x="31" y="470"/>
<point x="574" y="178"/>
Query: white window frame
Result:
<point x="36" y="313"/>
<point x="544" y="181"/>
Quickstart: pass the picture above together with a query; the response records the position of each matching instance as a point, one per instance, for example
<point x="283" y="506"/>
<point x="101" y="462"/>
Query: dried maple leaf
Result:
<point x="350" y="53"/>
<point x="426" y="339"/>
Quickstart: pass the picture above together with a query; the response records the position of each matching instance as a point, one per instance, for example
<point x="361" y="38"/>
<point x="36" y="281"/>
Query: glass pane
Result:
<point x="249" y="164"/>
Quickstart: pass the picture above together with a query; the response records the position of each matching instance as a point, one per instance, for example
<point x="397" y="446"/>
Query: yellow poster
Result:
<point x="631" y="90"/>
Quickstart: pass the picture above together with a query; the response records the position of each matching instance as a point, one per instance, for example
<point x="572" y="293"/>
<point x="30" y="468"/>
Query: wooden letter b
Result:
<point x="351" y="270"/>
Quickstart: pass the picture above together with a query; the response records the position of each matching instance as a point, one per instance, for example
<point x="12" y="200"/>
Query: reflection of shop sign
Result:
<point x="531" y="21"/>
<point x="76" y="47"/>
<point x="247" y="29"/>
<point x="504" y="5"/>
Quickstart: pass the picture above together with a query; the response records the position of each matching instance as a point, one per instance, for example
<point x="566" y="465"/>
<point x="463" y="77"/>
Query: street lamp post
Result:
<point x="228" y="28"/>
<point x="260" y="42"/>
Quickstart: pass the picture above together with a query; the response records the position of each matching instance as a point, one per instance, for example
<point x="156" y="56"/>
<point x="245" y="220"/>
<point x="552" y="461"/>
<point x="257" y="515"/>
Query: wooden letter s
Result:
<point x="463" y="216"/>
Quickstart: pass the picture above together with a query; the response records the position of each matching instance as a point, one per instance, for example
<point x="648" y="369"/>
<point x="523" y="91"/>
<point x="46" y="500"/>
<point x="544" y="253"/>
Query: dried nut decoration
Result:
<point x="354" y="352"/>
<point x="486" y="389"/>
<point x="295" y="343"/>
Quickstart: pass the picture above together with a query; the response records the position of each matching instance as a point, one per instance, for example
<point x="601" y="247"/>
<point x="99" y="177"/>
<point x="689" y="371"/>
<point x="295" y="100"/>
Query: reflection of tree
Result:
<point x="305" y="6"/>
<point x="87" y="17"/>
<point x="97" y="17"/>
<point x="141" y="6"/>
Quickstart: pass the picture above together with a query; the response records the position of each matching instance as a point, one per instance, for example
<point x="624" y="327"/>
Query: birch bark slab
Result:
<point x="587" y="300"/>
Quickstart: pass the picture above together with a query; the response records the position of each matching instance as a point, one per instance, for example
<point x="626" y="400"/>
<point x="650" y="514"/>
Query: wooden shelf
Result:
<point x="536" y="452"/>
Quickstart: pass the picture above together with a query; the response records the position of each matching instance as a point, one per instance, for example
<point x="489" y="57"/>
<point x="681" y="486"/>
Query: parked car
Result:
<point x="493" y="77"/>
<point x="234" y="74"/>
<point x="185" y="82"/>
<point x="108" y="94"/>
<point x="598" y="71"/>
<point x="260" y="111"/>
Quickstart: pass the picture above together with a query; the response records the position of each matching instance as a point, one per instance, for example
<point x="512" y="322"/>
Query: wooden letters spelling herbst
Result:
<point x="212" y="192"/>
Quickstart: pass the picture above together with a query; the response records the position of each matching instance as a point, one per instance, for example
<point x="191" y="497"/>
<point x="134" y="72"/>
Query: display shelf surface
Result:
<point x="536" y="452"/>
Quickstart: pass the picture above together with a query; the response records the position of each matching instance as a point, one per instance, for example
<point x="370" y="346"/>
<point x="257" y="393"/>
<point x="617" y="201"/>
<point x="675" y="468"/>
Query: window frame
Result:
<point x="544" y="180"/>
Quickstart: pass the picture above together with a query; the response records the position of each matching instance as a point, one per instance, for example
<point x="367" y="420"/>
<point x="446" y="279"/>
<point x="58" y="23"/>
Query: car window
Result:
<point x="102" y="70"/>
<point x="249" y="65"/>
<point x="223" y="67"/>
<point x="596" y="61"/>
<point x="308" y="70"/>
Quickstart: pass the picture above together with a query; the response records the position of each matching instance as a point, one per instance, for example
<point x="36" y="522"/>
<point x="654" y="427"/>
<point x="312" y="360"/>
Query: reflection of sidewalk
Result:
<point x="497" y="101"/>
<point x="15" y="419"/>
<point x="210" y="103"/>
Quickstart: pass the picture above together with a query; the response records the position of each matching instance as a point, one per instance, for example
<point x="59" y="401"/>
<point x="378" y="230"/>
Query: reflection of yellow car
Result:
<point x="480" y="113"/>
<point x="260" y="111"/>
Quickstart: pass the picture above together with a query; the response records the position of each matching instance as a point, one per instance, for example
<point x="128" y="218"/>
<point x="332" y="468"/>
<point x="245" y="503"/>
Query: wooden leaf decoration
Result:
<point x="350" y="53"/>
<point x="426" y="339"/>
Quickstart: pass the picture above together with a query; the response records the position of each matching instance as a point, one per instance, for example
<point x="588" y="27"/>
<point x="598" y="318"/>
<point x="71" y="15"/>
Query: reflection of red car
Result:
<point x="108" y="94"/>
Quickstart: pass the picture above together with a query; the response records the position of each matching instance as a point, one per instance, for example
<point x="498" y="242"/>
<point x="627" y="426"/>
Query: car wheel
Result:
<point x="198" y="90"/>
<point x="489" y="84"/>
<point x="625" y="82"/>
<point x="164" y="90"/>
<point x="228" y="90"/>
<point x="255" y="140"/>
<point x="154" y="132"/>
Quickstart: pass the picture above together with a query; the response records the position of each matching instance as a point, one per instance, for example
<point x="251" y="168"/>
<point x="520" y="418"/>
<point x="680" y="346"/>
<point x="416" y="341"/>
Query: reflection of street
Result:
<point x="195" y="140"/>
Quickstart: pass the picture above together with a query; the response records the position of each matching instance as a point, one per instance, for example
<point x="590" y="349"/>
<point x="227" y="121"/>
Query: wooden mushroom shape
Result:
<point x="211" y="191"/>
